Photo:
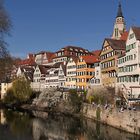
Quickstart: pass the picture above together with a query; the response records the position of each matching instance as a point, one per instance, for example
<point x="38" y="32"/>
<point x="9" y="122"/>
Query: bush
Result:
<point x="22" y="90"/>
<point x="9" y="97"/>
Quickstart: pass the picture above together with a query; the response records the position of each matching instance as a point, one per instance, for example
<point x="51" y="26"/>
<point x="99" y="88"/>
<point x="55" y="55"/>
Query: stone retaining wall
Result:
<point x="128" y="120"/>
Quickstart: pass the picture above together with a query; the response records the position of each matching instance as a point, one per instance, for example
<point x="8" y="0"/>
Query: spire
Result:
<point x="120" y="14"/>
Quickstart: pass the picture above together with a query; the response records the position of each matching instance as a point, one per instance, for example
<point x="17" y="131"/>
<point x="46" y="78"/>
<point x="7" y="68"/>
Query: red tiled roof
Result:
<point x="124" y="36"/>
<point x="50" y="56"/>
<point x="90" y="59"/>
<point x="27" y="62"/>
<point x="96" y="53"/>
<point x="136" y="31"/>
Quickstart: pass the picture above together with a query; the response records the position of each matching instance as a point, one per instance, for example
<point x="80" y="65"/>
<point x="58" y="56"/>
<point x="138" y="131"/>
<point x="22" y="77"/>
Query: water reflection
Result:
<point x="67" y="128"/>
<point x="21" y="126"/>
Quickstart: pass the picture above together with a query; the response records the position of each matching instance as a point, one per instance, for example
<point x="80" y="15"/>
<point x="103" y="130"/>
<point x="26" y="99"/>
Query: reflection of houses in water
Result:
<point x="47" y="130"/>
<point x="2" y="117"/>
<point x="67" y="128"/>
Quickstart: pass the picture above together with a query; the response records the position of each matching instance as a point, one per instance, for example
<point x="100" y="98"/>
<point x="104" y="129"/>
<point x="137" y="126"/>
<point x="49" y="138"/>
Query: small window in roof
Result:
<point x="71" y="49"/>
<point x="76" y="50"/>
<point x="86" y="51"/>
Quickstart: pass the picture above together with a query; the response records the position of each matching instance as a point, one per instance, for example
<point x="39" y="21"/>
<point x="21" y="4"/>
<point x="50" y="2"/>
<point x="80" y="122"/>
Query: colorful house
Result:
<point x="85" y="70"/>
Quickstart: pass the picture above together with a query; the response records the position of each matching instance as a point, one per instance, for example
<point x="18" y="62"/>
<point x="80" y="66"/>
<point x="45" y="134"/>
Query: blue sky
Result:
<point x="48" y="25"/>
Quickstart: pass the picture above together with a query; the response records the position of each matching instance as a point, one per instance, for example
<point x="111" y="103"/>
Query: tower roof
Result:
<point x="119" y="14"/>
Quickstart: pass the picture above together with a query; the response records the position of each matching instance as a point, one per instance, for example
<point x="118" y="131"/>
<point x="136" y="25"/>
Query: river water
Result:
<point x="16" y="125"/>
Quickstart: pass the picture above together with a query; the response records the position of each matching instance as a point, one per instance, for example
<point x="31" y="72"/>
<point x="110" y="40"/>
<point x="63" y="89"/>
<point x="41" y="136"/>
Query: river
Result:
<point x="16" y="125"/>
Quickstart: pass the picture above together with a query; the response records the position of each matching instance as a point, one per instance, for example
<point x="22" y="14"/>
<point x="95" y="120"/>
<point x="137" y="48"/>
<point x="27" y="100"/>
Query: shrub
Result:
<point x="9" y="97"/>
<point x="22" y="90"/>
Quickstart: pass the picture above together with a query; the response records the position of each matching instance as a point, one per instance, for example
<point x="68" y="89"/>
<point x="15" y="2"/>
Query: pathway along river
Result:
<point x="16" y="125"/>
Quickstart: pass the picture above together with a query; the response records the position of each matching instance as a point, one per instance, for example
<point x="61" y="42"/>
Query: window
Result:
<point x="131" y="36"/>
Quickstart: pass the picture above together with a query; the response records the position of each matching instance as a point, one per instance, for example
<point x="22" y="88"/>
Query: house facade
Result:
<point x="39" y="76"/>
<point x="43" y="57"/>
<point x="111" y="49"/>
<point x="96" y="80"/>
<point x="71" y="73"/>
<point x="129" y="65"/>
<point x="85" y="70"/>
<point x="65" y="53"/>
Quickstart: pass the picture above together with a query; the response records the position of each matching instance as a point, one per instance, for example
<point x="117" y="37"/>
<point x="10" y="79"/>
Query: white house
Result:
<point x="26" y="72"/>
<point x="4" y="88"/>
<point x="56" y="75"/>
<point x="52" y="78"/>
<point x="43" y="58"/>
<point x="96" y="81"/>
<point x="129" y="65"/>
<point x="39" y="77"/>
<point x="71" y="73"/>
<point x="62" y="75"/>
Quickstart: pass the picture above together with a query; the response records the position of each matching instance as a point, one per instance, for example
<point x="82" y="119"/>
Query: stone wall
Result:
<point x="128" y="120"/>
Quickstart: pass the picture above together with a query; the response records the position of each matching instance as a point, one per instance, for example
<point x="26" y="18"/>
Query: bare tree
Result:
<point x="5" y="26"/>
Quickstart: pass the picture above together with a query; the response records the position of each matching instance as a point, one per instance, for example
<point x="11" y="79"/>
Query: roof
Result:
<point x="90" y="59"/>
<point x="74" y="48"/>
<point x="43" y="69"/>
<point x="28" y="72"/>
<point x="57" y="65"/>
<point x="124" y="36"/>
<point x="27" y="62"/>
<point x="116" y="44"/>
<point x="27" y="69"/>
<point x="43" y="52"/>
<point x="30" y="56"/>
<point x="96" y="53"/>
<point x="74" y="58"/>
<point x="136" y="31"/>
<point x="119" y="13"/>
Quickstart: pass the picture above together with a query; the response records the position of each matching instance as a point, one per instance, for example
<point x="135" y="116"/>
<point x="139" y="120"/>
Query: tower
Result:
<point x="119" y="26"/>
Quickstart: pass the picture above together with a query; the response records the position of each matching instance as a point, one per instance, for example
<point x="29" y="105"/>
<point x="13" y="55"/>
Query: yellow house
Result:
<point x="111" y="49"/>
<point x="85" y="70"/>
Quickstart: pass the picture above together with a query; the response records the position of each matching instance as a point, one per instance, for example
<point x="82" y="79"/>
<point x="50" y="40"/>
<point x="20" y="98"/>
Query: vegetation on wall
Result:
<point x="75" y="100"/>
<point x="101" y="96"/>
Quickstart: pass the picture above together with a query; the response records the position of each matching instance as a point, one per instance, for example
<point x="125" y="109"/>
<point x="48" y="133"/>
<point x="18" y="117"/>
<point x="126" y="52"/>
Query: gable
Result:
<point x="19" y="72"/>
<point x="105" y="47"/>
<point x="131" y="36"/>
<point x="37" y="70"/>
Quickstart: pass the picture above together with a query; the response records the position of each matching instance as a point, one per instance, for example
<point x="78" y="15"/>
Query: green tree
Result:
<point x="22" y="90"/>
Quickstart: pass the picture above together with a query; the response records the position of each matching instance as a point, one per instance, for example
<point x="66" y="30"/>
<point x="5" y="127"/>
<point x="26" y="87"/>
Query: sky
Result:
<point x="49" y="25"/>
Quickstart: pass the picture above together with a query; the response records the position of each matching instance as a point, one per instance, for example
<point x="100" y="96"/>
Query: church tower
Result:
<point x="119" y="26"/>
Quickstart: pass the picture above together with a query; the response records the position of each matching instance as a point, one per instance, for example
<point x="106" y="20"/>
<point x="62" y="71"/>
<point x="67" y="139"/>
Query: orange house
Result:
<point x="86" y="70"/>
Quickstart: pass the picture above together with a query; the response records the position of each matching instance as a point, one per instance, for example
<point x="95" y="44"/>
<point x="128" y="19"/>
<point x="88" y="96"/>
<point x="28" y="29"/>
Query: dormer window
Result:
<point x="131" y="36"/>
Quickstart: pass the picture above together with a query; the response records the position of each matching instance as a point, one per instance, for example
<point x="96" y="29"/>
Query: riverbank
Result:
<point x="128" y="121"/>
